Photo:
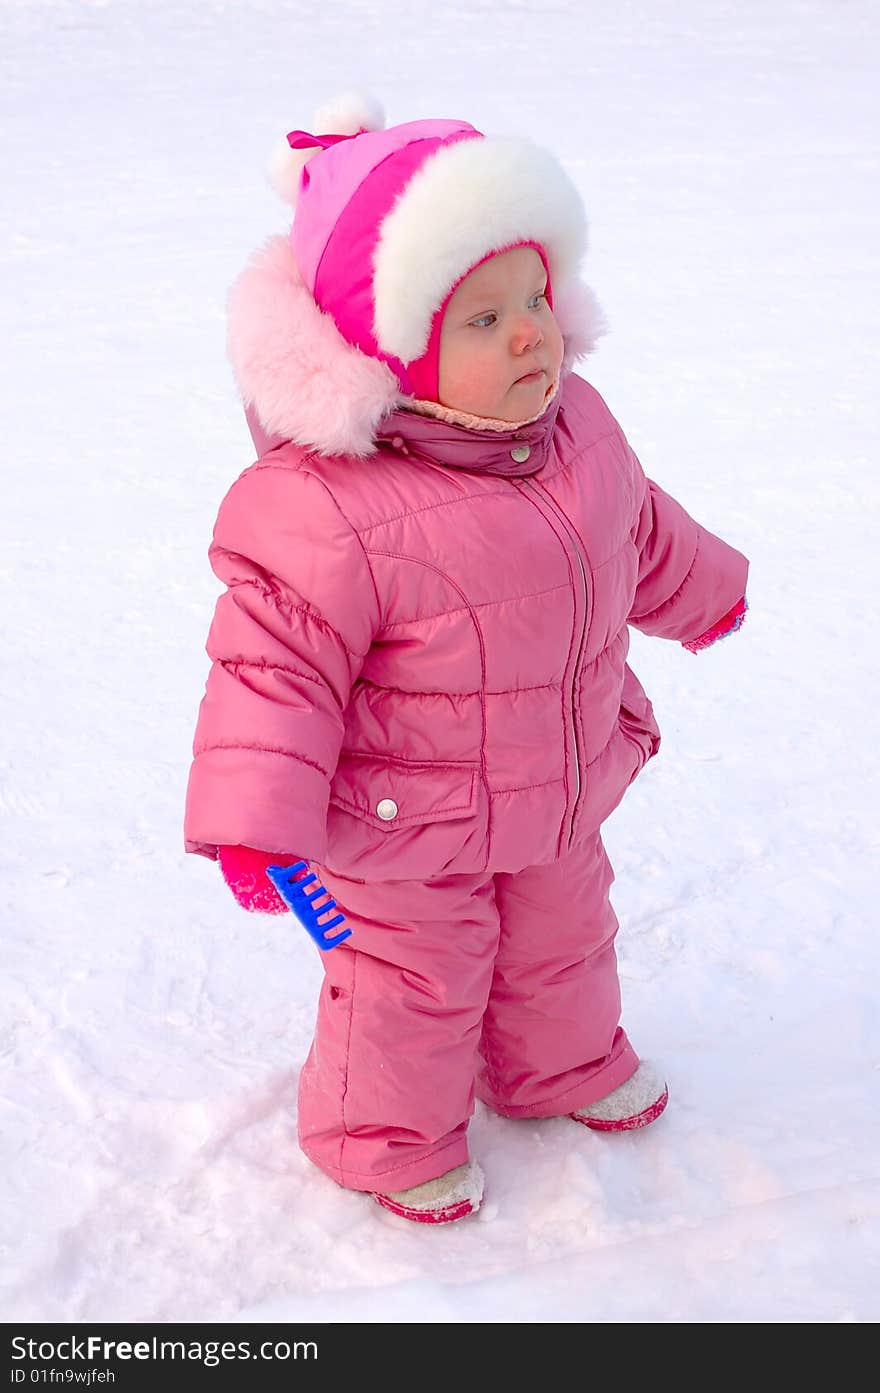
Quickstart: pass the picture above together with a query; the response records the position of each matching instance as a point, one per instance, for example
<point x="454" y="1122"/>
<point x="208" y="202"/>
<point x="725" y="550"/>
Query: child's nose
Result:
<point x="527" y="333"/>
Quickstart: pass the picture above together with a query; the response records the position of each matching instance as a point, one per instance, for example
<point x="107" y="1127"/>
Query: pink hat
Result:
<point x="387" y="223"/>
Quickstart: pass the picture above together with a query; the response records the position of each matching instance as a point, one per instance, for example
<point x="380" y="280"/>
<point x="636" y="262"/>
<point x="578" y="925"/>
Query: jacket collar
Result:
<point x="509" y="449"/>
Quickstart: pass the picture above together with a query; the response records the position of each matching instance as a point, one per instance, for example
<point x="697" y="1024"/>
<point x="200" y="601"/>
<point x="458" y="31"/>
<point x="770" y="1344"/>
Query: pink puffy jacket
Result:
<point x="419" y="662"/>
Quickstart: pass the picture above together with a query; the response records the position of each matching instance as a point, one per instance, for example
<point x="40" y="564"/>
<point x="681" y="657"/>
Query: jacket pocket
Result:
<point x="636" y="719"/>
<point x="392" y="818"/>
<point x="367" y="786"/>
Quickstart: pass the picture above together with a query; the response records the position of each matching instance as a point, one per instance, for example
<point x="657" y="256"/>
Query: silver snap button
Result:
<point x="520" y="453"/>
<point x="386" y="809"/>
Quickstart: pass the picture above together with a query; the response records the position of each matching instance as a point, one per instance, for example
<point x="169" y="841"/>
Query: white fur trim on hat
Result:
<point x="468" y="198"/>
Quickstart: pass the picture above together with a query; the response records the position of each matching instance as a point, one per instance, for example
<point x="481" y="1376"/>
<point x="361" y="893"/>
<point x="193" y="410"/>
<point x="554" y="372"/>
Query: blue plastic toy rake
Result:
<point x="302" y="902"/>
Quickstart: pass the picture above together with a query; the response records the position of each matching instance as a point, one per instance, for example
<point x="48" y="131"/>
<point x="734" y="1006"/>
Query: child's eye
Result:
<point x="541" y="295"/>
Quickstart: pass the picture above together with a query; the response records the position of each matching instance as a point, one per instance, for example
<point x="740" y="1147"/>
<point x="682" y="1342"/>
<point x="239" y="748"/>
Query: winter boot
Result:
<point x="636" y="1103"/>
<point x="450" y="1196"/>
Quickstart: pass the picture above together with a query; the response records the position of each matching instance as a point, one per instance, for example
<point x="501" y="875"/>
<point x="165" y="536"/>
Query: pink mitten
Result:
<point x="244" y="871"/>
<point x="729" y="624"/>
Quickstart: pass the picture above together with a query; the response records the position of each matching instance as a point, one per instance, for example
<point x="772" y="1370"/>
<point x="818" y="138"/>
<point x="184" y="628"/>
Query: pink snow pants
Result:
<point x="502" y="987"/>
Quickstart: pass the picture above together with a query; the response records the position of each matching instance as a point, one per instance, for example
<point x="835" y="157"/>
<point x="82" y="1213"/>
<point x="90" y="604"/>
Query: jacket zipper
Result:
<point x="537" y="488"/>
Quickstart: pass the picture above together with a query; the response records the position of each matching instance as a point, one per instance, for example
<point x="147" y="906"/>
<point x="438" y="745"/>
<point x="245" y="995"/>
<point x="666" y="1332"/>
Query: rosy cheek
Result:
<point x="481" y="375"/>
<point x="470" y="372"/>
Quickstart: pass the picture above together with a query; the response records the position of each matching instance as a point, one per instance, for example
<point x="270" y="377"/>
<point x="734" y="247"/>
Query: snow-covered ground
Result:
<point x="151" y="1031"/>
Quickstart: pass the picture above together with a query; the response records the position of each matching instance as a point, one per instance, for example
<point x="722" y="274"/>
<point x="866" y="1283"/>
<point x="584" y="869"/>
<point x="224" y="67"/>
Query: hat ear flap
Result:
<point x="292" y="366"/>
<point x="581" y="320"/>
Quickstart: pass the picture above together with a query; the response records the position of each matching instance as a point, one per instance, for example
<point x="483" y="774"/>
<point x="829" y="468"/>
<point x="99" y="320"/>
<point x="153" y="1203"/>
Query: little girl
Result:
<point x="419" y="679"/>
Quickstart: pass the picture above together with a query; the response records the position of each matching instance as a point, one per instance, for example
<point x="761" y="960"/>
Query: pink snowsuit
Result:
<point x="420" y="685"/>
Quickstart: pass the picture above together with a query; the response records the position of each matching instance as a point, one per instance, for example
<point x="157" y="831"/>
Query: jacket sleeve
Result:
<point x="727" y="624"/>
<point x="690" y="582"/>
<point x="288" y="639"/>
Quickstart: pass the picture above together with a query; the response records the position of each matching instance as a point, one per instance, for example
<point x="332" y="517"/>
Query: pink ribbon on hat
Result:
<point x="301" y="140"/>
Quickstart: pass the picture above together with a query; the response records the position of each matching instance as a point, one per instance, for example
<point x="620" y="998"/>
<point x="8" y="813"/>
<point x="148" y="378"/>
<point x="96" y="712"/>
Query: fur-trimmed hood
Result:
<point x="300" y="380"/>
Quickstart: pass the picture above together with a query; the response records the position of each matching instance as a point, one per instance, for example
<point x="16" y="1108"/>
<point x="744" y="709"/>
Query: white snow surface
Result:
<point x="152" y="1031"/>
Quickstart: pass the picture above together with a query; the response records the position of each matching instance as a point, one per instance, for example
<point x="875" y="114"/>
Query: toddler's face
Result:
<point x="497" y="327"/>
